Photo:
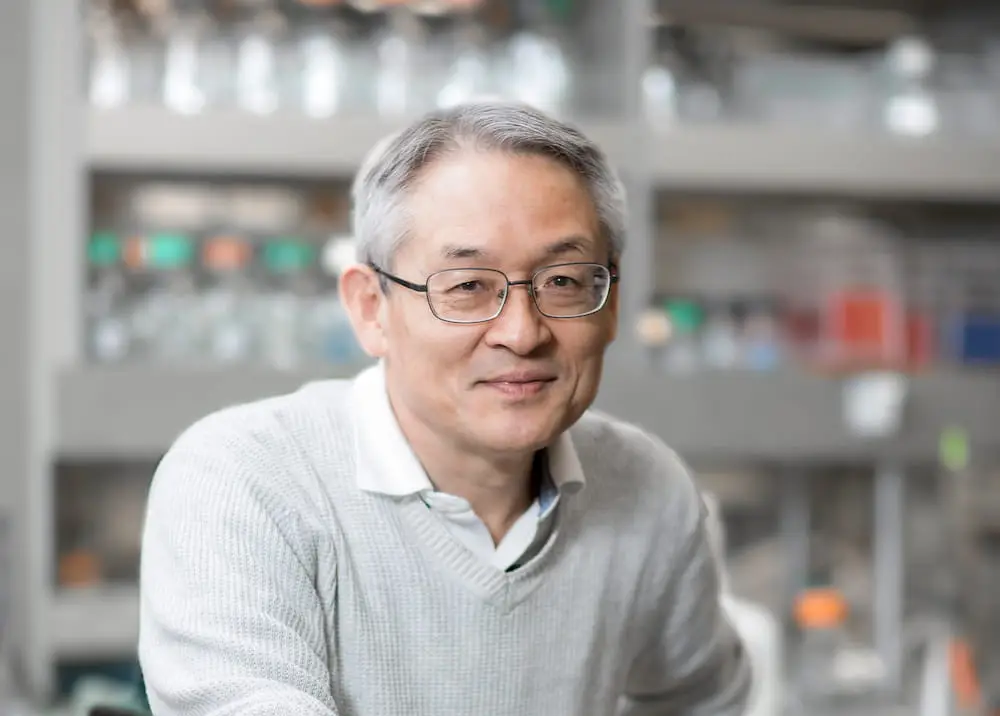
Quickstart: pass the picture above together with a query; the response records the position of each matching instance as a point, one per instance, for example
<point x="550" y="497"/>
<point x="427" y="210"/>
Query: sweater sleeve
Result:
<point x="231" y="622"/>
<point x="695" y="664"/>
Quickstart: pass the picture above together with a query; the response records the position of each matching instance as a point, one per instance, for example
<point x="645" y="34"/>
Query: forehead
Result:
<point x="501" y="207"/>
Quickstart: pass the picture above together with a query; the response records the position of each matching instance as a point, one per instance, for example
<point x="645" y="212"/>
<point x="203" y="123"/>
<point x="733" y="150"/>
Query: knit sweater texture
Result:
<point x="271" y="585"/>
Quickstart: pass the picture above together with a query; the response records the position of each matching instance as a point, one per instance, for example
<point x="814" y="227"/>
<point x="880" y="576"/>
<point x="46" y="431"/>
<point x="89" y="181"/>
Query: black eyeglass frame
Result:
<point x="529" y="282"/>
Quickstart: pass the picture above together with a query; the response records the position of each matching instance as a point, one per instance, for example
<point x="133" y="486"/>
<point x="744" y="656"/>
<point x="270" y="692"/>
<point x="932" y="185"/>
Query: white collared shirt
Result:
<point x="386" y="464"/>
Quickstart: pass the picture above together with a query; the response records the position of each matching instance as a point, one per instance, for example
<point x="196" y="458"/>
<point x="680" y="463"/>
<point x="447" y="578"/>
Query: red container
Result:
<point x="864" y="328"/>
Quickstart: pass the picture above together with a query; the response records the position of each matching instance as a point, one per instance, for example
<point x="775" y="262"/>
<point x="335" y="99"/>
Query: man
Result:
<point x="450" y="532"/>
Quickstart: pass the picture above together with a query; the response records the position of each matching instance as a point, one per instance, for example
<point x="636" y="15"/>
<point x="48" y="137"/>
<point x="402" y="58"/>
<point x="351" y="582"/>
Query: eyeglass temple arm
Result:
<point x="418" y="287"/>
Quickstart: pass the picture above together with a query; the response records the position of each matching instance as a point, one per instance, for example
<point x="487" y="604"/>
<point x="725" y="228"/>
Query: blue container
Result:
<point x="975" y="337"/>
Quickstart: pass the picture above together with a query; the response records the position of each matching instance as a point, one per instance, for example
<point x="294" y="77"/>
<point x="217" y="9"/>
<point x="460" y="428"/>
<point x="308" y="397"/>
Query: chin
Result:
<point x="517" y="435"/>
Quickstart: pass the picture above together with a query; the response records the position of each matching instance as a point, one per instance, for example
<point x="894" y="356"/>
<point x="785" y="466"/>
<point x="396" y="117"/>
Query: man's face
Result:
<point x="514" y="383"/>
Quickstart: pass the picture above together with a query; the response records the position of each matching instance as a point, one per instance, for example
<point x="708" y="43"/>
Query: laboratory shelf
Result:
<point x="730" y="158"/>
<point x="95" y="622"/>
<point x="781" y="417"/>
<point x="137" y="412"/>
<point x="797" y="417"/>
<point x="147" y="139"/>
<point x="726" y="158"/>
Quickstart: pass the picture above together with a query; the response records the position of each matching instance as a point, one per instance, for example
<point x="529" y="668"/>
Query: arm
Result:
<point x="231" y="622"/>
<point x="695" y="664"/>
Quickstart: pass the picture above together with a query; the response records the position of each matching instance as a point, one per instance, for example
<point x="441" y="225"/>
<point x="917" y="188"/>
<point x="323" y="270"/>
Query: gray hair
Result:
<point x="379" y="220"/>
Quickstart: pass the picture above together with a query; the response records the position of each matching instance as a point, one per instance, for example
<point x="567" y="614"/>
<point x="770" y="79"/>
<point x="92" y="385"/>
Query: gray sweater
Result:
<point x="272" y="585"/>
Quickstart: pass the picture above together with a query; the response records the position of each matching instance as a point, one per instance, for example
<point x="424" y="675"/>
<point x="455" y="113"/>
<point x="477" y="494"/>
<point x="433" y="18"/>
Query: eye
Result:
<point x="562" y="282"/>
<point x="467" y="287"/>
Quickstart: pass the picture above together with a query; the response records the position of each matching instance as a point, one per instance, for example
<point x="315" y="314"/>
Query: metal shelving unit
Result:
<point x="21" y="384"/>
<point x="145" y="139"/>
<point x="728" y="417"/>
<point x="78" y="411"/>
<point x="796" y="418"/>
<point x="720" y="158"/>
<point x="94" y="624"/>
<point x="128" y="427"/>
<point x="793" y="161"/>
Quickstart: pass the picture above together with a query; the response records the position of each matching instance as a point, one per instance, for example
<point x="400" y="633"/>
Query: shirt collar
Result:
<point x="386" y="464"/>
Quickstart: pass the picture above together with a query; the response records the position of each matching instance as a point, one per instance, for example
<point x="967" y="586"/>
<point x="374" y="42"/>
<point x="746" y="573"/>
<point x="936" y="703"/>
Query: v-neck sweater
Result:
<point x="386" y="464"/>
<point x="272" y="585"/>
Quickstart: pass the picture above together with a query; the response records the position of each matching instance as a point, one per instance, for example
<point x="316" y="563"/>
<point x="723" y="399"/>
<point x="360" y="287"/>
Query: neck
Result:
<point x="498" y="492"/>
<point x="499" y="488"/>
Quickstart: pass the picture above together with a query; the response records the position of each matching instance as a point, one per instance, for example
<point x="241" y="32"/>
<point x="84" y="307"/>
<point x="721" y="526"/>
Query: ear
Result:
<point x="612" y="309"/>
<point x="362" y="297"/>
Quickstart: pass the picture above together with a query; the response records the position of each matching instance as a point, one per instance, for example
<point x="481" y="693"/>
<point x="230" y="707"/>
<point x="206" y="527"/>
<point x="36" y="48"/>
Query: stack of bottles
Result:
<point x="907" y="87"/>
<point x="321" y="58"/>
<point x="685" y="334"/>
<point x="205" y="292"/>
<point x="847" y="293"/>
<point x="172" y="298"/>
<point x="833" y="671"/>
<point x="969" y="280"/>
<point x="100" y="507"/>
<point x="855" y="329"/>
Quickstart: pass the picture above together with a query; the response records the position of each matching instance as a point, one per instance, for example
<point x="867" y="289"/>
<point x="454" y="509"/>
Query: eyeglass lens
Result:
<point x="564" y="291"/>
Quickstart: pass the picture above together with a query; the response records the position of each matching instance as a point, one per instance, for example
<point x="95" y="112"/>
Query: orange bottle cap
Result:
<point x="79" y="568"/>
<point x="226" y="253"/>
<point x="820" y="609"/>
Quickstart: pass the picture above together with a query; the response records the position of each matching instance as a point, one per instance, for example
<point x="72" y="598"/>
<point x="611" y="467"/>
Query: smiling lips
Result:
<point x="520" y="384"/>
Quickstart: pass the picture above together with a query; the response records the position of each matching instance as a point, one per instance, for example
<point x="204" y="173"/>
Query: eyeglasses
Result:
<point x="477" y="295"/>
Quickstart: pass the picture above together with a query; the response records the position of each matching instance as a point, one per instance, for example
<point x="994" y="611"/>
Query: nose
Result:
<point x="519" y="328"/>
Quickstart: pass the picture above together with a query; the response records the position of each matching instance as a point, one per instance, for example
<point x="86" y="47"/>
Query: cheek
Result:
<point x="424" y="346"/>
<point x="583" y="345"/>
<point x="583" y="354"/>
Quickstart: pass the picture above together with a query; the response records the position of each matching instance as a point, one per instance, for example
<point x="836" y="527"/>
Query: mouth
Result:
<point x="519" y="386"/>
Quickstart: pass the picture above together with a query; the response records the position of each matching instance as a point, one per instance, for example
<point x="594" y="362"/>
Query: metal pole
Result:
<point x="888" y="577"/>
<point x="796" y="521"/>
<point x="935" y="681"/>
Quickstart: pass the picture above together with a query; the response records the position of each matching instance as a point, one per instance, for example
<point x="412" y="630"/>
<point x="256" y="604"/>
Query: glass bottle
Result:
<point x="833" y="673"/>
<point x="536" y="62"/>
<point x="287" y="262"/>
<point x="322" y="67"/>
<point x="682" y="354"/>
<point x="400" y="54"/>
<point x="761" y="340"/>
<point x="469" y="75"/>
<point x="106" y="330"/>
<point x="258" y="59"/>
<point x="109" y="67"/>
<point x="183" y="74"/>
<point x="910" y="105"/>
<point x="166" y="320"/>
<point x="720" y="339"/>
<point x="227" y="300"/>
<point x="821" y="615"/>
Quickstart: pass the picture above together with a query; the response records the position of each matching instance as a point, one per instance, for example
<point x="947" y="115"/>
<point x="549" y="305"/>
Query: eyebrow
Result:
<point x="570" y="244"/>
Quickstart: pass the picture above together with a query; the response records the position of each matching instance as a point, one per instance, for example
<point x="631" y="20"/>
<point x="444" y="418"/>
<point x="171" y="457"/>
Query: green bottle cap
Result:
<point x="103" y="249"/>
<point x="953" y="449"/>
<point x="560" y="9"/>
<point x="686" y="316"/>
<point x="288" y="255"/>
<point x="168" y="250"/>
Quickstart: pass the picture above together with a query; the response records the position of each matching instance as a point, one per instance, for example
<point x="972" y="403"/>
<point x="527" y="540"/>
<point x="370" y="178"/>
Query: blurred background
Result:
<point x="811" y="292"/>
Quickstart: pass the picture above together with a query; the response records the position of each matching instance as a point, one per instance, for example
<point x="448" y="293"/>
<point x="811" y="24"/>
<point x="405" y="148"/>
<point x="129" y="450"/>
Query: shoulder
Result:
<point x="627" y="450"/>
<point x="633" y="464"/>
<point x="267" y="447"/>
<point x="273" y="424"/>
